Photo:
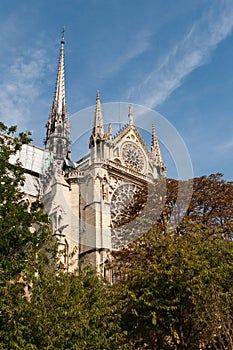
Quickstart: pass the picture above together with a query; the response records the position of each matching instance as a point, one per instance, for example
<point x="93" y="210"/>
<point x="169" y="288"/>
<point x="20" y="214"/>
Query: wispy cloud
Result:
<point x="140" y="45"/>
<point x="190" y="53"/>
<point x="226" y="146"/>
<point x="126" y="53"/>
<point x="21" y="86"/>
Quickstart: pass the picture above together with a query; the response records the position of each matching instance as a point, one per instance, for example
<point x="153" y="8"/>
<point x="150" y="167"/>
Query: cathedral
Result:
<point x="89" y="199"/>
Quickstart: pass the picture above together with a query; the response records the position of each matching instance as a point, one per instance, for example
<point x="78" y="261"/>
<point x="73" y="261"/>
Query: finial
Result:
<point x="154" y="140"/>
<point x="130" y="115"/>
<point x="63" y="36"/>
<point x="153" y="131"/>
<point x="110" y="130"/>
<point x="98" y="127"/>
<point x="156" y="153"/>
<point x="155" y="150"/>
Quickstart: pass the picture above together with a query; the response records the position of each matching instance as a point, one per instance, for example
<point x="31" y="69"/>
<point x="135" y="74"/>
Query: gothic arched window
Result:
<point x="59" y="129"/>
<point x="59" y="152"/>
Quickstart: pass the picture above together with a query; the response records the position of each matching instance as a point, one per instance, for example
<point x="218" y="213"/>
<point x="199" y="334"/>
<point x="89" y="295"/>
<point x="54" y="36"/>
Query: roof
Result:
<point x="31" y="157"/>
<point x="31" y="185"/>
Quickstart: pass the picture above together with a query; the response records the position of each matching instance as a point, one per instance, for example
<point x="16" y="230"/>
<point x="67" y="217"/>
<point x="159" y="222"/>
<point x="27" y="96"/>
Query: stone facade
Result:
<point x="89" y="200"/>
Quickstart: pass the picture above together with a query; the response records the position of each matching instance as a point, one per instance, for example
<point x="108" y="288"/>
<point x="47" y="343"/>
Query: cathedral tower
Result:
<point x="60" y="197"/>
<point x="58" y="125"/>
<point x="90" y="200"/>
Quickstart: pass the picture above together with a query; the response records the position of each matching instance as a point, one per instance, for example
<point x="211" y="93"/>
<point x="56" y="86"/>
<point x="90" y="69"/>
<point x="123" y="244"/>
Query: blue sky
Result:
<point x="175" y="57"/>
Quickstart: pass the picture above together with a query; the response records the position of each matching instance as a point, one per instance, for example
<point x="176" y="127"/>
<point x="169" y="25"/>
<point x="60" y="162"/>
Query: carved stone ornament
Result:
<point x="133" y="156"/>
<point x="122" y="203"/>
<point x="126" y="204"/>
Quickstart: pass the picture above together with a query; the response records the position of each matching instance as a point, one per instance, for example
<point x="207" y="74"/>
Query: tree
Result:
<point x="18" y="245"/>
<point x="42" y="305"/>
<point x="24" y="241"/>
<point x="211" y="203"/>
<point x="73" y="311"/>
<point x="175" y="287"/>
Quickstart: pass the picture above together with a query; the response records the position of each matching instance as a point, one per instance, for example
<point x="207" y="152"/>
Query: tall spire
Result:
<point x="58" y="126"/>
<point x="98" y="127"/>
<point x="59" y="102"/>
<point x="155" y="149"/>
<point x="130" y="115"/>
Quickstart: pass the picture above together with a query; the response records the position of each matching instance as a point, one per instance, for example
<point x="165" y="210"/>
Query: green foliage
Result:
<point x="175" y="288"/>
<point x="42" y="306"/>
<point x="24" y="242"/>
<point x="18" y="217"/>
<point x="64" y="311"/>
<point x="73" y="311"/>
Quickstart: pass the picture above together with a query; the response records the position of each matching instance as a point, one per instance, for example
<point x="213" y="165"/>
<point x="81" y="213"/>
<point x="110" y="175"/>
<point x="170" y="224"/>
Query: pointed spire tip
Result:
<point x="130" y="115"/>
<point x="63" y="36"/>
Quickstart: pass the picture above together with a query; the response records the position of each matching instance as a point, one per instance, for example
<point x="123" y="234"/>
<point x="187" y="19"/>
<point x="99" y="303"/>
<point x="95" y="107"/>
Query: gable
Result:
<point x="130" y="150"/>
<point x="130" y="133"/>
